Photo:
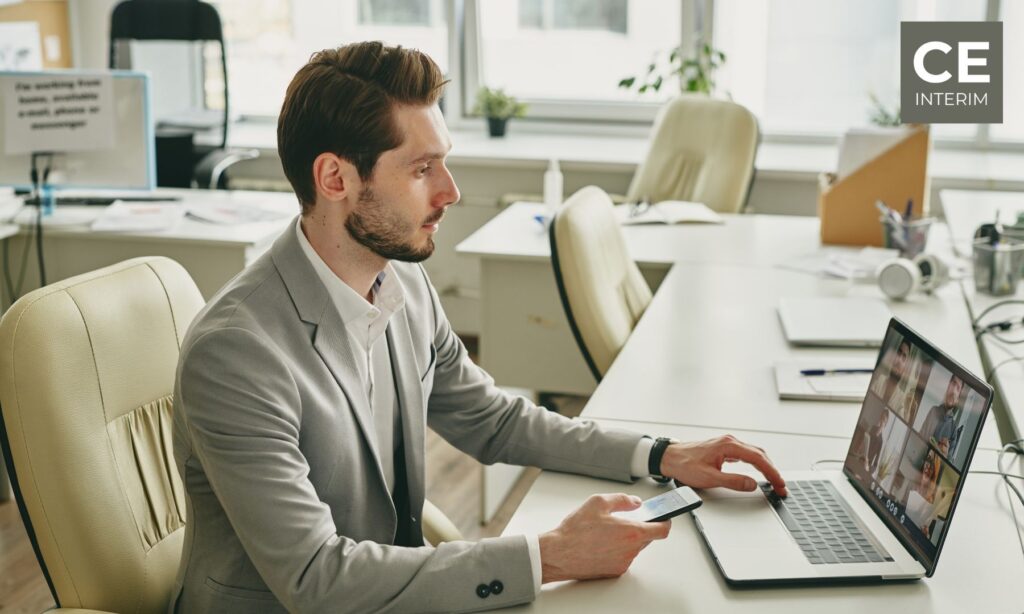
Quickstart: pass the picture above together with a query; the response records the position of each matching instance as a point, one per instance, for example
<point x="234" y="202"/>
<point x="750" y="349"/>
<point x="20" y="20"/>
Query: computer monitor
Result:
<point x="127" y="165"/>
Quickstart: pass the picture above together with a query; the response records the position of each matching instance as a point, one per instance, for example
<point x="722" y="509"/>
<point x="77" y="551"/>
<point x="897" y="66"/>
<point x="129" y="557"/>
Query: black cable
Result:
<point x="992" y="371"/>
<point x="995" y="328"/>
<point x="39" y="185"/>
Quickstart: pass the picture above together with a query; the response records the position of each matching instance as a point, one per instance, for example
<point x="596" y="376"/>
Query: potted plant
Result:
<point x="695" y="74"/>
<point x="497" y="107"/>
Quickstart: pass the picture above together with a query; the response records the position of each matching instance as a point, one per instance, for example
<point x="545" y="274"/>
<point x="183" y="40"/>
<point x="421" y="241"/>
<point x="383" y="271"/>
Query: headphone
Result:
<point x="901" y="277"/>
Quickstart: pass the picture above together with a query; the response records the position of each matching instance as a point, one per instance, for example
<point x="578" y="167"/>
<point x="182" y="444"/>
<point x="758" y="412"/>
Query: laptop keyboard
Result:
<point x="822" y="524"/>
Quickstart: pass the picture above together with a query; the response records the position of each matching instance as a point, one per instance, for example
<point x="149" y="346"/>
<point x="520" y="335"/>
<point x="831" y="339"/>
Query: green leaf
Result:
<point x="651" y="67"/>
<point x="627" y="82"/>
<point x="657" y="84"/>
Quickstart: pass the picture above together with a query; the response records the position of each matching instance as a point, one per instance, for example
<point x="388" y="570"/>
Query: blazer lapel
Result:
<point x="410" y="403"/>
<point x="314" y="306"/>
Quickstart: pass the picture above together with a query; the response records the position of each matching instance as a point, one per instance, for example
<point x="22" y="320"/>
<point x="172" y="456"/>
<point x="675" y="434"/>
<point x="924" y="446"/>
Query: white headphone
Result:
<point x="901" y="277"/>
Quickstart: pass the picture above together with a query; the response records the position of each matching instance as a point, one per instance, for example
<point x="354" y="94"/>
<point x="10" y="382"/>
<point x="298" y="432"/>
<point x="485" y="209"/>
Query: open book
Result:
<point x="667" y="212"/>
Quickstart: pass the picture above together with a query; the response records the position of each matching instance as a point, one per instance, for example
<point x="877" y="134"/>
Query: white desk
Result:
<point x="703" y="352"/>
<point x="965" y="210"/>
<point x="211" y="253"/>
<point x="979" y="570"/>
<point x="521" y="311"/>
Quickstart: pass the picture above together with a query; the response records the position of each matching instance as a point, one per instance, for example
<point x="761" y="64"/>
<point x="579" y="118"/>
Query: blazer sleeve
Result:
<point x="473" y="414"/>
<point x="242" y="413"/>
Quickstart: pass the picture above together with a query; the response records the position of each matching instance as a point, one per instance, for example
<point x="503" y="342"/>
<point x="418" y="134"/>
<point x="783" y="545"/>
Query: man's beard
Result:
<point x="383" y="231"/>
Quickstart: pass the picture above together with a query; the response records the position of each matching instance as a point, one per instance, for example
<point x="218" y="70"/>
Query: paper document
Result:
<point x="231" y="214"/>
<point x="667" y="212"/>
<point x="139" y="217"/>
<point x="861" y="145"/>
<point x="791" y="384"/>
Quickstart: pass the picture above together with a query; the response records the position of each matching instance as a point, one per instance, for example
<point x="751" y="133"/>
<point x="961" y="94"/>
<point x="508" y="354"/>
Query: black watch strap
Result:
<point x="654" y="460"/>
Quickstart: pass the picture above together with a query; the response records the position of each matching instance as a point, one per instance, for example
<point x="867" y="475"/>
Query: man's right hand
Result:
<point x="592" y="543"/>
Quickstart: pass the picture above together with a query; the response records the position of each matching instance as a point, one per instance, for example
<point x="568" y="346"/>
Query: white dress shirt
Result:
<point x="366" y="324"/>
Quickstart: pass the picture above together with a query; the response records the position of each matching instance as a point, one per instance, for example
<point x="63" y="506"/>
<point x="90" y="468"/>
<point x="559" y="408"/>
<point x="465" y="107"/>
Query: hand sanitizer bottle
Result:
<point x="552" y="187"/>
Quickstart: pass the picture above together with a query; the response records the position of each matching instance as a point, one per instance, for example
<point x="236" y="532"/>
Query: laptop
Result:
<point x="834" y="322"/>
<point x="886" y="515"/>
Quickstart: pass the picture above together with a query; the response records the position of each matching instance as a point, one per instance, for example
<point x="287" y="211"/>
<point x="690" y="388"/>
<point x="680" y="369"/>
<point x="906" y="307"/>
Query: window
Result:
<point x="1012" y="128"/>
<point x="269" y="40"/>
<point x="531" y="48"/>
<point x="810" y="67"/>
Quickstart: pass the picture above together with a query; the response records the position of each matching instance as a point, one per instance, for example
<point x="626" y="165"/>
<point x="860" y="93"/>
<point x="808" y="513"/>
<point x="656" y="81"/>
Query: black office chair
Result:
<point x="179" y="162"/>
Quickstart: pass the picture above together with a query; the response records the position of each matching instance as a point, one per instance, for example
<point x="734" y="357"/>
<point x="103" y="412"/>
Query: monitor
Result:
<point x="126" y="162"/>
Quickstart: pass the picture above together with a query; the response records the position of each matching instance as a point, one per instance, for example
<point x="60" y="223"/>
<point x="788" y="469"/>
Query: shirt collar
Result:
<point x="356" y="311"/>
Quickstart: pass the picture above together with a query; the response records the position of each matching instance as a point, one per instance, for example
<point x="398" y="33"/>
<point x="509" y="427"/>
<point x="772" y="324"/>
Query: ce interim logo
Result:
<point x="951" y="72"/>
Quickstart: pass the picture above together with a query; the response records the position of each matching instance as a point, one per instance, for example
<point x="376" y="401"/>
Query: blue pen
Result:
<point x="809" y="372"/>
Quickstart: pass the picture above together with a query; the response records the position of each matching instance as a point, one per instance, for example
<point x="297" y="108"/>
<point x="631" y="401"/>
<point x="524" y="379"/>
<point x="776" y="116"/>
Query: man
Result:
<point x="875" y="443"/>
<point x="305" y="386"/>
<point x="940" y="425"/>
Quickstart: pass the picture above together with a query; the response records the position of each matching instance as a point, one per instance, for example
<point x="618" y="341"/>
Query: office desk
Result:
<point x="703" y="352"/>
<point x="520" y="308"/>
<point x="211" y="253"/>
<point x="979" y="570"/>
<point x="965" y="210"/>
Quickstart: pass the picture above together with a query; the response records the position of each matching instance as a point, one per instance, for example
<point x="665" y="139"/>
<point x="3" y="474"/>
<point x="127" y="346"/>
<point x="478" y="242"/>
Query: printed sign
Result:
<point x="58" y="112"/>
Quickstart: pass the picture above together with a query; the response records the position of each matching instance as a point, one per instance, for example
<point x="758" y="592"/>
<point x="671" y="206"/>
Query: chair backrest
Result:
<point x="87" y="369"/>
<point x="702" y="150"/>
<point x="602" y="290"/>
<point x="168" y="20"/>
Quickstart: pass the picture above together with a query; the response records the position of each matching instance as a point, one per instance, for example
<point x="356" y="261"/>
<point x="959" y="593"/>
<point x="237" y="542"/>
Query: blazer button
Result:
<point x="497" y="587"/>
<point x="483" y="591"/>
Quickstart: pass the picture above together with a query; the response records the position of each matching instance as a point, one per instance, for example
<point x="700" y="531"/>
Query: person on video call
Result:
<point x="896" y="389"/>
<point x="941" y="422"/>
<point x="305" y="387"/>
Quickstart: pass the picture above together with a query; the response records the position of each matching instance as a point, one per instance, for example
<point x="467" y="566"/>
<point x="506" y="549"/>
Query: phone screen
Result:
<point x="665" y="506"/>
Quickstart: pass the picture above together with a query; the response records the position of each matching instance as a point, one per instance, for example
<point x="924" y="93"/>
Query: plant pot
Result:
<point x="496" y="126"/>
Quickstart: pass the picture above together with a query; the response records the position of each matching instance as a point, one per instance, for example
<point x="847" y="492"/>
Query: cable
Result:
<point x="814" y="465"/>
<point x="995" y="328"/>
<point x="1014" y="447"/>
<point x="992" y="371"/>
<point x="41" y="189"/>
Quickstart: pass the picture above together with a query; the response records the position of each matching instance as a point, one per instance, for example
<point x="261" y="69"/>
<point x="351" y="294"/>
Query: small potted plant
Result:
<point x="694" y="72"/>
<point x="497" y="107"/>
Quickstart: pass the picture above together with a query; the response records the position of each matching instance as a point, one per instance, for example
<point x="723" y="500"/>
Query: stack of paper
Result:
<point x="667" y="212"/>
<point x="139" y="217"/>
<point x="231" y="214"/>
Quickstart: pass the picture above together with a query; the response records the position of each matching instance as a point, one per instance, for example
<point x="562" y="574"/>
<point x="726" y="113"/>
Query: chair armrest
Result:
<point x="208" y="172"/>
<point x="438" y="528"/>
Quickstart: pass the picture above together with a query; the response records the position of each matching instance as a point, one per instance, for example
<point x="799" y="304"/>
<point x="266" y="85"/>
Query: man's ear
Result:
<point x="334" y="178"/>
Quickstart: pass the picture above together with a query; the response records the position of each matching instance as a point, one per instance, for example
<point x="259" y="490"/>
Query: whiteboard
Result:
<point x="129" y="165"/>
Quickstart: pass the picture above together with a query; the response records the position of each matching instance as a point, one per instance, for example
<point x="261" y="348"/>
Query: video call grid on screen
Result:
<point x="914" y="438"/>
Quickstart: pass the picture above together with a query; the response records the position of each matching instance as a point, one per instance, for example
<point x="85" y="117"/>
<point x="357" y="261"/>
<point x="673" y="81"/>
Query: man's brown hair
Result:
<point x="342" y="101"/>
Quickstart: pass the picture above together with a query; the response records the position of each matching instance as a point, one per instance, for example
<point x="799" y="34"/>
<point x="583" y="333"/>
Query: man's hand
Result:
<point x="699" y="464"/>
<point x="592" y="543"/>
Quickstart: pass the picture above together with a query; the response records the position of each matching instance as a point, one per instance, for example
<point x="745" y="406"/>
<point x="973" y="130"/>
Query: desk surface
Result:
<point x="979" y="571"/>
<point x="759" y="240"/>
<point x="187" y="230"/>
<point x="703" y="352"/>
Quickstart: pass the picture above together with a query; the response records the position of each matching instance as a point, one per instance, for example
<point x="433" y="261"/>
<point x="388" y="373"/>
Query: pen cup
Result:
<point x="997" y="266"/>
<point x="909" y="237"/>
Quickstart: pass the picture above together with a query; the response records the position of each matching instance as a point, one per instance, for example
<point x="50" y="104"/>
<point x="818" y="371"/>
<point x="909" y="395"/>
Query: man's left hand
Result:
<point x="699" y="464"/>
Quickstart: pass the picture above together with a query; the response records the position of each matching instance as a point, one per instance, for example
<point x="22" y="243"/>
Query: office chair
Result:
<point x="179" y="162"/>
<point x="602" y="290"/>
<point x="702" y="150"/>
<point x="86" y="376"/>
<point x="87" y="369"/>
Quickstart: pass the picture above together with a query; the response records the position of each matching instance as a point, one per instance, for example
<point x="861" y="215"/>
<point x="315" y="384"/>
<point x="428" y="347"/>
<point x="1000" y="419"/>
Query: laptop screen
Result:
<point x="915" y="437"/>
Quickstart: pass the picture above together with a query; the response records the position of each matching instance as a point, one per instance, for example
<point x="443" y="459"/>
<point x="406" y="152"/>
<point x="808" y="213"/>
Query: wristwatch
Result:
<point x="654" y="460"/>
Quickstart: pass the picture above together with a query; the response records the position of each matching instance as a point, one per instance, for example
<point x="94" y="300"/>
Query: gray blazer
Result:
<point x="287" y="504"/>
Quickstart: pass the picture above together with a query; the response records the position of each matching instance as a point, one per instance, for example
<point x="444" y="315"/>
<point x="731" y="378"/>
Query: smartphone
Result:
<point x="664" y="506"/>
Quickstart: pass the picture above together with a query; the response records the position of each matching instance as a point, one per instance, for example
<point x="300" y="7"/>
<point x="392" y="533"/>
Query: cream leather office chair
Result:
<point x="702" y="150"/>
<point x="87" y="369"/>
<point x="86" y="375"/>
<point x="602" y="290"/>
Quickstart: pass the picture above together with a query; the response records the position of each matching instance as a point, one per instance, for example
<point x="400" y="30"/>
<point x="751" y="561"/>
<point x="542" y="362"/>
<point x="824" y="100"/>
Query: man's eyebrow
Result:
<point x="434" y="155"/>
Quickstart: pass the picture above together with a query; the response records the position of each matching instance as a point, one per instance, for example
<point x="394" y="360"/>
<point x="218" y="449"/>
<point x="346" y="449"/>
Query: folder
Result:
<point x="846" y="205"/>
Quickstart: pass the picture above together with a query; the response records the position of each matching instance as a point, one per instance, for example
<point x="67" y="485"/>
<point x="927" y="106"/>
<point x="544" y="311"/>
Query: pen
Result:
<point x="809" y="372"/>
